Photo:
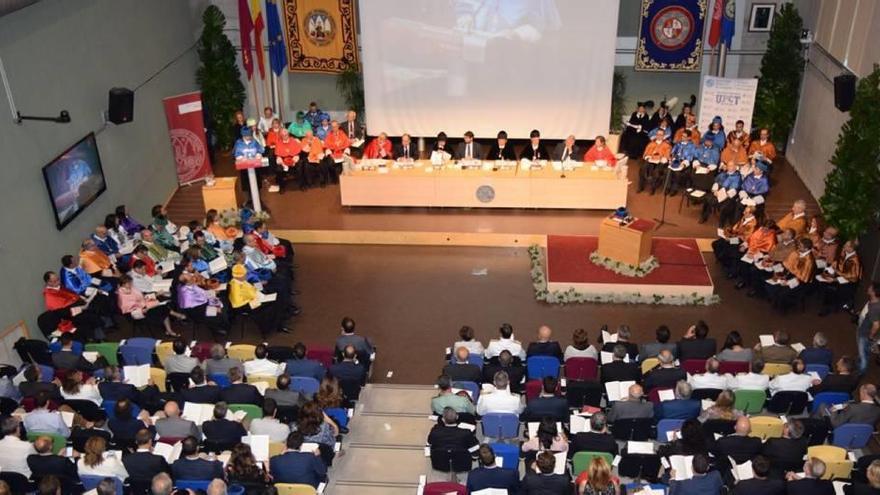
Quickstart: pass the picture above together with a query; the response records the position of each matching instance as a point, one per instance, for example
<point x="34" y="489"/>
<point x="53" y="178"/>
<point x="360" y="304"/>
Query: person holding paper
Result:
<point x="763" y="146"/>
<point x="43" y="420"/>
<point x="501" y="149"/>
<point x="244" y="469"/>
<point x="757" y="247"/>
<point x="317" y="427"/>
<point x="791" y="285"/>
<point x="703" y="482"/>
<point x="379" y="148"/>
<point x="446" y="435"/>
<point x="739" y="446"/>
<point x="726" y="247"/>
<point x="223" y="433"/>
<point x="722" y="409"/>
<point x="547" y="437"/>
<point x="164" y="230"/>
<point x="691" y="441"/>
<point x="113" y="387"/>
<point x="656" y="157"/>
<point x="261" y="364"/>
<point x="124" y="424"/>
<point x="635" y="136"/>
<point x="683" y="153"/>
<point x="174" y="426"/>
<point x="633" y="406"/>
<point x="488" y="474"/>
<point x="240" y="392"/>
<point x="66" y="359"/>
<point x="95" y="463"/>
<point x="296" y="466"/>
<point x="460" y="403"/>
<point x="143" y="464"/>
<point x="778" y="352"/>
<point x="442" y="151"/>
<point x="734" y="153"/>
<point x="865" y="411"/>
<point x="548" y="404"/>
<point x="761" y="484"/>
<point x="318" y="167"/>
<point x="190" y="466"/>
<point x="755" y="187"/>
<point x="812" y="482"/>
<point x="825" y="251"/>
<point x="140" y="307"/>
<point x="287" y="156"/>
<point x="96" y="262"/>
<point x="727" y="183"/>
<point x="596" y="440"/>
<point x="180" y="361"/>
<point x="75" y="387"/>
<point x="337" y="144"/>
<point x="598" y="479"/>
<point x="618" y="370"/>
<point x="45" y="463"/>
<point x="543" y="479"/>
<point x="75" y="279"/>
<point x="201" y="307"/>
<point x="682" y="407"/>
<point x="842" y="379"/>
<point x="624" y="338"/>
<point x="839" y="280"/>
<point x="763" y="269"/>
<point x="244" y="296"/>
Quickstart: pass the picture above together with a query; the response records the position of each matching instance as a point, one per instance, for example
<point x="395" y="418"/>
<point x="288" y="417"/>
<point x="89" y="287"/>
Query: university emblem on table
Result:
<point x="189" y="152"/>
<point x="672" y="28"/>
<point x="485" y="194"/>
<point x="320" y="27"/>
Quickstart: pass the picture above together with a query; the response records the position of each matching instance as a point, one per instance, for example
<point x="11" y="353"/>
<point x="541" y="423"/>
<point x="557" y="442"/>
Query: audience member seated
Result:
<point x="682" y="407"/>
<point x="220" y="363"/>
<point x="691" y="441"/>
<point x="283" y="396"/>
<point x="134" y="303"/>
<point x="14" y="451"/>
<point x="633" y="406"/>
<point x="818" y="353"/>
<point x="459" y="402"/>
<point x="516" y="373"/>
<point x="174" y="426"/>
<point x="42" y="420"/>
<point x="596" y="440"/>
<point x="696" y="344"/>
<point x="222" y="431"/>
<point x="753" y="380"/>
<point x="703" y="482"/>
<point x="80" y="434"/>
<point x="180" y="361"/>
<point x="505" y="342"/>
<point x="466" y="334"/>
<point x="547" y="404"/>
<point x="543" y="480"/>
<point x="269" y="316"/>
<point x="488" y="475"/>
<point x="329" y="394"/>
<point x="761" y="484"/>
<point x="667" y="374"/>
<point x="624" y="334"/>
<point x="361" y="344"/>
<point x="66" y="359"/>
<point x="142" y="464"/>
<point x="618" y="370"/>
<point x="786" y="452"/>
<point x="865" y="411"/>
<point x="597" y="479"/>
<point x="711" y="378"/>
<point x="33" y="384"/>
<point x="797" y="380"/>
<point x="299" y="365"/>
<point x="733" y="349"/>
<point x="547" y="437"/>
<point x="45" y="463"/>
<point x="653" y="349"/>
<point x="316" y="426"/>
<point x="349" y="369"/>
<point x="721" y="409"/>
<point x="94" y="462"/>
<point x="499" y="400"/>
<point x="261" y="365"/>
<point x="239" y="392"/>
<point x="843" y="379"/>
<point x="74" y="387"/>
<point x="124" y="425"/>
<point x="446" y="435"/>
<point x="296" y="466"/>
<point x="545" y="346"/>
<point x="872" y="487"/>
<point x="811" y="483"/>
<point x="779" y="352"/>
<point x="580" y="346"/>
<point x="739" y="446"/>
<point x="190" y="466"/>
<point x="461" y="370"/>
<point x="114" y="388"/>
<point x="200" y="390"/>
<point x="268" y="424"/>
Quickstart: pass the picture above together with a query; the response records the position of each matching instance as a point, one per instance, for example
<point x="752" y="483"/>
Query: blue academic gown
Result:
<point x="708" y="156"/>
<point x="108" y="245"/>
<point x="246" y="150"/>
<point x="77" y="280"/>
<point x="719" y="138"/>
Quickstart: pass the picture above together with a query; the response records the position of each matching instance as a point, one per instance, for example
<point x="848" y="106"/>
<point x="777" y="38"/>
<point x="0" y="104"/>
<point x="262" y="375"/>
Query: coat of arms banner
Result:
<point x="321" y="34"/>
<point x="671" y="35"/>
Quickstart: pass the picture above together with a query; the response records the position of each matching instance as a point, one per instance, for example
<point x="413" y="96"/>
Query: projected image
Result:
<point x="74" y="180"/>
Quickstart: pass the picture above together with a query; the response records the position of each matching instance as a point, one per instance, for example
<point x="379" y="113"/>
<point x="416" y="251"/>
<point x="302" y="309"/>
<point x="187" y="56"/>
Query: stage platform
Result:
<point x="682" y="271"/>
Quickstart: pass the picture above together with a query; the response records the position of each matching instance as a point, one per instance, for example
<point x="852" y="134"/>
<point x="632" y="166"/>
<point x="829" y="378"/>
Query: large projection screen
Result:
<point x="487" y="65"/>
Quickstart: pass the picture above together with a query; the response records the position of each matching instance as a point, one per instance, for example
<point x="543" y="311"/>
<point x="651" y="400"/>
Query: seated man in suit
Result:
<point x="461" y="370"/>
<point x="488" y="475"/>
<point x="683" y="407"/>
<point x="468" y="150"/>
<point x="695" y="344"/>
<point x="192" y="467"/>
<point x="652" y="349"/>
<point x="760" y="484"/>
<point x="865" y="411"/>
<point x="296" y="466"/>
<point x="703" y="482"/>
<point x="33" y="384"/>
<point x="142" y="465"/>
<point x="788" y="452"/>
<point x="349" y="369"/>
<point x="667" y="374"/>
<point x="499" y="400"/>
<point x="362" y="345"/>
<point x="634" y="406"/>
<point x="620" y="371"/>
<point x="446" y="435"/>
<point x="812" y="482"/>
<point x="460" y="402"/>
<point x="501" y="149"/>
<point x="406" y="150"/>
<point x="567" y="150"/>
<point x="711" y="379"/>
<point x="535" y="149"/>
<point x="505" y="342"/>
<point x="66" y="359"/>
<point x="45" y="463"/>
<point x="200" y="391"/>
<point x="515" y="372"/>
<point x="261" y="364"/>
<point x="844" y="379"/>
<point x="547" y="404"/>
<point x="240" y="392"/>
<point x="283" y="396"/>
<point x="220" y="430"/>
<point x="739" y="446"/>
<point x="299" y="365"/>
<point x="545" y="345"/>
<point x="179" y="362"/>
<point x="779" y="352"/>
<point x="624" y="336"/>
<point x="219" y="362"/>
<point x="124" y="424"/>
<point x="818" y="353"/>
<point x="545" y="481"/>
<point x="596" y="440"/>
<point x="114" y="388"/>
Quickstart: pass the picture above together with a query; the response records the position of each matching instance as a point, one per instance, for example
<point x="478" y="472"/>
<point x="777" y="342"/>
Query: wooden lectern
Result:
<point x="628" y="243"/>
<point x="220" y="196"/>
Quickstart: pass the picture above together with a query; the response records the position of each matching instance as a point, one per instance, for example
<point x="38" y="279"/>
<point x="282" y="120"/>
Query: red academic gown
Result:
<point x="372" y="150"/>
<point x="594" y="154"/>
<point x="59" y="299"/>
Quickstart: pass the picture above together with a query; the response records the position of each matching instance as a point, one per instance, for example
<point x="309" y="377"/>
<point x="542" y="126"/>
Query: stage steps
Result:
<point x="384" y="451"/>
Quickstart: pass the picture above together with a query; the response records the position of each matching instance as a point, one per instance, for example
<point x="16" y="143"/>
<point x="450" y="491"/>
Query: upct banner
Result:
<point x="186" y="127"/>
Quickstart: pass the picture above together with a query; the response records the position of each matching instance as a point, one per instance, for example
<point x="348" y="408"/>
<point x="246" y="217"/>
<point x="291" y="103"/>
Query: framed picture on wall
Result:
<point x="762" y="17"/>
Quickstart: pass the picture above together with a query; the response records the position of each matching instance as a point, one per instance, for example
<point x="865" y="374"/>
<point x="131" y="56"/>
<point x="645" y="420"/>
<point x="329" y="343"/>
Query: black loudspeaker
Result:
<point x="121" y="107"/>
<point x="844" y="91"/>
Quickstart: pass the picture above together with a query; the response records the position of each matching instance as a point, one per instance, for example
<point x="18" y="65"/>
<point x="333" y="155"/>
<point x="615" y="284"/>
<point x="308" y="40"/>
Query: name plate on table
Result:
<point x="468" y="164"/>
<point x="249" y="163"/>
<point x="373" y="163"/>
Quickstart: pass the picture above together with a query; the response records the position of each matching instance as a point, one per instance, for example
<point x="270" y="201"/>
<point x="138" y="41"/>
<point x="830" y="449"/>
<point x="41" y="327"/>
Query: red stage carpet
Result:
<point x="682" y="269"/>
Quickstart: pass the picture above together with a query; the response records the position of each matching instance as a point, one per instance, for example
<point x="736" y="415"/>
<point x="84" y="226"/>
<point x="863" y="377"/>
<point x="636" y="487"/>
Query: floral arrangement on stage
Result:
<point x="571" y="296"/>
<point x="627" y="270"/>
<point x="234" y="217"/>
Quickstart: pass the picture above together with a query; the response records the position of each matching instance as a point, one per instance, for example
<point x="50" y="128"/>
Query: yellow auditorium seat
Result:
<point x="765" y="427"/>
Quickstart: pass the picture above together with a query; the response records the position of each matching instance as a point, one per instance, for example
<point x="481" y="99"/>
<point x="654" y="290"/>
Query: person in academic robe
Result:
<point x="724" y="189"/>
<point x="247" y="148"/>
<point x="104" y="242"/>
<point x="206" y="251"/>
<point x="567" y="150"/>
<point x="708" y="156"/>
<point x="600" y="151"/>
<point x="796" y="219"/>
<point x="142" y="253"/>
<point x="140" y="307"/>
<point x="716" y="133"/>
<point x="734" y="152"/>
<point x="726" y="248"/>
<point x="323" y="129"/>
<point x="336" y="143"/>
<point x="468" y="149"/>
<point x="635" y="136"/>
<point x="441" y="144"/>
<point x="665" y="127"/>
<point x="245" y="297"/>
<point x="299" y="126"/>
<point x="75" y="279"/>
<point x="130" y="225"/>
<point x="68" y="312"/>
<point x="406" y="150"/>
<point x="825" y="251"/>
<point x="379" y="148"/>
<point x="797" y="274"/>
<point x="199" y="305"/>
<point x="755" y="187"/>
<point x="763" y="147"/>
<point x="839" y="279"/>
<point x="740" y="133"/>
<point x="317" y="169"/>
<point x="690" y="125"/>
<point x="757" y="245"/>
<point x="96" y="262"/>
<point x="273" y="135"/>
<point x="287" y="157"/>
<point x="662" y="115"/>
<point x="683" y="153"/>
<point x="535" y="149"/>
<point x="761" y="270"/>
<point x="682" y="121"/>
<point x="656" y="157"/>
<point x="501" y="149"/>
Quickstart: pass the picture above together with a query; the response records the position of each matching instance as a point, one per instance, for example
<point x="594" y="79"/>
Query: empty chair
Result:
<point x="321" y="354"/>
<point x="852" y="435"/>
<point x="582" y="460"/>
<point x="537" y="367"/>
<point x="788" y="402"/>
<point x="749" y="401"/>
<point x="136" y="354"/>
<point x="581" y="368"/>
<point x="765" y="427"/>
<point x="639" y="429"/>
<point x="192" y="484"/>
<point x="733" y="367"/>
<point x="820" y="369"/>
<point x="304" y="384"/>
<point x="451" y="460"/>
<point x="636" y="487"/>
<point x="159" y="378"/>
<point x="177" y="381"/>
<point x="500" y="425"/>
<point x="639" y="466"/>
<point x="533" y="389"/>
<point x="107" y="350"/>
<point x="76" y="347"/>
<point x="666" y="425"/>
<point x="829" y="399"/>
<point x="694" y="366"/>
<point x="164" y="350"/>
<point x="508" y="453"/>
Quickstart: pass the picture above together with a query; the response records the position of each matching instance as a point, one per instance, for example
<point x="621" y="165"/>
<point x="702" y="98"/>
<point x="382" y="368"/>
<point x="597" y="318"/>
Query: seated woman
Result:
<point x="547" y="438"/>
<point x="329" y="394"/>
<point x="318" y="428"/>
<point x="94" y="463"/>
<point x="269" y="315"/>
<point x="722" y="409"/>
<point x="200" y="306"/>
<point x="243" y="469"/>
<point x="733" y="349"/>
<point x="580" y="346"/>
<point x="597" y="479"/>
<point x="140" y="307"/>
<point x="73" y="387"/>
<point x="132" y="227"/>
<point x="466" y="334"/>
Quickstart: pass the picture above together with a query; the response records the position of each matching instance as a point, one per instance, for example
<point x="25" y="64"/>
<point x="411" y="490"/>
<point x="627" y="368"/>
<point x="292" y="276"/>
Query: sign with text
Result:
<point x="186" y="128"/>
<point x="732" y="99"/>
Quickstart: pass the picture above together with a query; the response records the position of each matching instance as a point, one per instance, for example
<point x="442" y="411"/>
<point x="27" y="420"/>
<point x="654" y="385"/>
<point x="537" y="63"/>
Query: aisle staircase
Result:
<point x="384" y="452"/>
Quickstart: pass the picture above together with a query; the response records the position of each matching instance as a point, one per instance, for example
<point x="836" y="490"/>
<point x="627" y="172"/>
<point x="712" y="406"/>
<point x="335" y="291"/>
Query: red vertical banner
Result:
<point x="186" y="127"/>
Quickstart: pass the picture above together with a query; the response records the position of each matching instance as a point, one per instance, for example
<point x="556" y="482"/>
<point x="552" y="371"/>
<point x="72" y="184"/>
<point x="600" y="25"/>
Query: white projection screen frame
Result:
<point x="487" y="65"/>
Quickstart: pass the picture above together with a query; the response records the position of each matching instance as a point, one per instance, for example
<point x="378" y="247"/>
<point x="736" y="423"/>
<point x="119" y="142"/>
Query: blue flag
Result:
<point x="728" y="22"/>
<point x="277" y="47"/>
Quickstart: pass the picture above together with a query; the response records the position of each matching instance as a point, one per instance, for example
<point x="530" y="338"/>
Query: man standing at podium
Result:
<point x="468" y="150"/>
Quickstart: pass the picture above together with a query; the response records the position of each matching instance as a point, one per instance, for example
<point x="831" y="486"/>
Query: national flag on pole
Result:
<point x="728" y="22"/>
<point x="259" y="25"/>
<point x="277" y="48"/>
<point x="245" y="27"/>
<point x="715" y="26"/>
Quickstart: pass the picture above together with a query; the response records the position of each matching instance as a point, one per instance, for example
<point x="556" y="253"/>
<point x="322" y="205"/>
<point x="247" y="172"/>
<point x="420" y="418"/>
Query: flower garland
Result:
<point x="620" y="268"/>
<point x="539" y="282"/>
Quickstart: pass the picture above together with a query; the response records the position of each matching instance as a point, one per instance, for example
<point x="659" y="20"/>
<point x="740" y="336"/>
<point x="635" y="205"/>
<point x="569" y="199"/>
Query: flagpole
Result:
<point x="256" y="95"/>
<point x="722" y="59"/>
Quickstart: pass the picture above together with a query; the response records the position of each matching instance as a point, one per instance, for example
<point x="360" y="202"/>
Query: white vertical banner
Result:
<point x="732" y="99"/>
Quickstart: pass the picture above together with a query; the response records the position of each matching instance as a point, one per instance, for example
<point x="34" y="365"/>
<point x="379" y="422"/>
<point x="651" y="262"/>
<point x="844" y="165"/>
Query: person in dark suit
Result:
<point x="818" y="353"/>
<point x="545" y="481"/>
<point x="468" y="149"/>
<point x="66" y="359"/>
<point x="683" y="407"/>
<point x="501" y="149"/>
<point x="488" y="475"/>
<point x="295" y="466"/>
<point x="240" y="393"/>
<point x="349" y="369"/>
<point x="80" y="435"/>
<point x="652" y="349"/>
<point x="692" y="440"/>
<point x="547" y="404"/>
<point x="866" y="411"/>
<point x="620" y="371"/>
<point x="872" y="474"/>
<point x="535" y="149"/>
<point x="192" y="467"/>
<point x="113" y="388"/>
<point x="33" y="385"/>
<point x="406" y="150"/>
<point x="461" y="370"/>
<point x="696" y="344"/>
<point x="811" y="483"/>
<point x="844" y="379"/>
<point x="596" y="440"/>
<point x="788" y="452"/>
<point x="703" y="482"/>
<point x="545" y="346"/>
<point x="199" y="391"/>
<point x="220" y="430"/>
<point x="667" y="374"/>
<point x="299" y="365"/>
<point x="760" y="484"/>
<point x="635" y="135"/>
<point x="740" y="446"/>
<point x="506" y="363"/>
<point x="446" y="435"/>
<point x="45" y="463"/>
<point x="441" y="144"/>
<point x="567" y="150"/>
<point x="633" y="406"/>
<point x="624" y="334"/>
<point x="125" y="425"/>
<point x="143" y="464"/>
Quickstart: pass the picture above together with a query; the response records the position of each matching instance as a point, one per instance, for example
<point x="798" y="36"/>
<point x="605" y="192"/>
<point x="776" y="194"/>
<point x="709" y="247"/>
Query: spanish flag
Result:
<point x="322" y="35"/>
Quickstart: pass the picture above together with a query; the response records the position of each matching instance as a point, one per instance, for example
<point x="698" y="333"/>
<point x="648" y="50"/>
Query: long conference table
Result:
<point x="585" y="187"/>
